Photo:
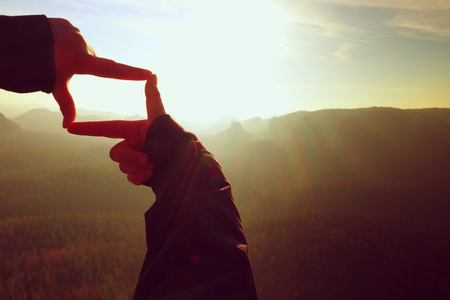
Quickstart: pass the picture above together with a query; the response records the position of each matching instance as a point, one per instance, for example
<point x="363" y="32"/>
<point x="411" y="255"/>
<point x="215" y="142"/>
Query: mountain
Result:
<point x="8" y="127"/>
<point x="207" y="128"/>
<point x="339" y="192"/>
<point x="86" y="115"/>
<point x="41" y="120"/>
<point x="375" y="143"/>
<point x="360" y="155"/>
<point x="229" y="142"/>
<point x="253" y="125"/>
<point x="44" y="120"/>
<point x="368" y="143"/>
<point x="384" y="120"/>
<point x="44" y="135"/>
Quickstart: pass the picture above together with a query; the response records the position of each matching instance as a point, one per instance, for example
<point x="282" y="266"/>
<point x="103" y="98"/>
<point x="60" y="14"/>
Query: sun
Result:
<point x="213" y="60"/>
<point x="227" y="51"/>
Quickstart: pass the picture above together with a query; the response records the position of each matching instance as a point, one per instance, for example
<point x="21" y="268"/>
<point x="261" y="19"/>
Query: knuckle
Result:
<point x="113" y="153"/>
<point x="124" y="168"/>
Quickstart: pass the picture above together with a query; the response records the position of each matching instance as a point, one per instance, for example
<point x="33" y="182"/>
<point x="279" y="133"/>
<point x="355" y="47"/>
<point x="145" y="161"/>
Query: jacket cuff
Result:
<point x="28" y="59"/>
<point x="166" y="142"/>
<point x="163" y="138"/>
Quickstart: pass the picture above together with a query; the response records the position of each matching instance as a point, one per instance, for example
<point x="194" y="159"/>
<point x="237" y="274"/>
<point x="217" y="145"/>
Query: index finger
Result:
<point x="109" y="129"/>
<point x="107" y="68"/>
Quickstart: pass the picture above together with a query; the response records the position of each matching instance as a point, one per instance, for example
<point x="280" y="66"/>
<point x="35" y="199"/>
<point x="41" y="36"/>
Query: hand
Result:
<point x="128" y="153"/>
<point x="74" y="56"/>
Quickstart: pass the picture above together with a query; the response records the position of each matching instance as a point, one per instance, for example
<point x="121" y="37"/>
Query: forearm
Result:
<point x="26" y="54"/>
<point x="183" y="166"/>
<point x="197" y="248"/>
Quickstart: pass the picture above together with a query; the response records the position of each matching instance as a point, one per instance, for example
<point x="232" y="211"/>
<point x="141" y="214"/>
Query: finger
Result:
<point x="155" y="107"/>
<point x="153" y="79"/>
<point x="107" y="68"/>
<point x="132" y="169"/>
<point x="125" y="153"/>
<point x="110" y="129"/>
<point x="140" y="178"/>
<point x="65" y="101"/>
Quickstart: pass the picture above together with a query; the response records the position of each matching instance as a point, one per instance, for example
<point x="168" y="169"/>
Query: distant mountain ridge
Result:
<point x="12" y="135"/>
<point x="44" y="120"/>
<point x="41" y="120"/>
<point x="338" y="192"/>
<point x="316" y="151"/>
<point x="328" y="122"/>
<point x="7" y="126"/>
<point x="368" y="144"/>
<point x="40" y="128"/>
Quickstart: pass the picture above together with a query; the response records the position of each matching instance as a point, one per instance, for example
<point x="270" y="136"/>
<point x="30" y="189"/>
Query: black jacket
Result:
<point x="197" y="247"/>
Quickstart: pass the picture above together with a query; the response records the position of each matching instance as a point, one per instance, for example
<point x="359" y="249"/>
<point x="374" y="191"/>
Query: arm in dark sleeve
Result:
<point x="197" y="247"/>
<point x="27" y="61"/>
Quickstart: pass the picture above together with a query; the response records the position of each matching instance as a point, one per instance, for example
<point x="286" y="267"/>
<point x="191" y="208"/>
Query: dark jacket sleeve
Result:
<point x="196" y="243"/>
<point x="27" y="61"/>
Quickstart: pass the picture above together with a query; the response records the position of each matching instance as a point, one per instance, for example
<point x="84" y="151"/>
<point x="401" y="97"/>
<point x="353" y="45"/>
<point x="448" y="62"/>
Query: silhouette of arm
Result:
<point x="196" y="245"/>
<point x="197" y="248"/>
<point x="26" y="54"/>
<point x="40" y="54"/>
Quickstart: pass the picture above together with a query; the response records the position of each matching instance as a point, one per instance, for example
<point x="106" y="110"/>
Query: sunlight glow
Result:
<point x="228" y="49"/>
<point x="248" y="58"/>
<point x="211" y="58"/>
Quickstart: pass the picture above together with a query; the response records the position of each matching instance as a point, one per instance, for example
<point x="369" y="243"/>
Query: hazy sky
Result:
<point x="251" y="58"/>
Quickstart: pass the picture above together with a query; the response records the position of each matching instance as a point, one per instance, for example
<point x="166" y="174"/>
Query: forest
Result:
<point x="337" y="204"/>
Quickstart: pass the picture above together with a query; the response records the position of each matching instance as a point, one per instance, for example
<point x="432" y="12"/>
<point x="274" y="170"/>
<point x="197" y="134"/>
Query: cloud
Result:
<point x="398" y="4"/>
<point x="342" y="52"/>
<point x="424" y="25"/>
<point x="368" y="20"/>
<point x="417" y="19"/>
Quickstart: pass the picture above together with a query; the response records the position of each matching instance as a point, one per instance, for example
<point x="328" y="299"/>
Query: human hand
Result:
<point x="128" y="153"/>
<point x="74" y="56"/>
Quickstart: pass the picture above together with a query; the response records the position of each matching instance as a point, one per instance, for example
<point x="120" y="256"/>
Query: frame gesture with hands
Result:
<point x="128" y="153"/>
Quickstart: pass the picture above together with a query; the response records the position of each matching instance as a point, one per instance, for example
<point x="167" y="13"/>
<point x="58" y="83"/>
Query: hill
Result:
<point x="41" y="120"/>
<point x="43" y="174"/>
<point x="8" y="128"/>
<point x="357" y="144"/>
<point x="44" y="120"/>
<point x="353" y="156"/>
<point x="337" y="204"/>
<point x="12" y="136"/>
<point x="335" y="157"/>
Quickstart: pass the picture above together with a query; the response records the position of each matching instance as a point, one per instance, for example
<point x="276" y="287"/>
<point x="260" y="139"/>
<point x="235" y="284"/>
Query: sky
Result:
<point x="248" y="58"/>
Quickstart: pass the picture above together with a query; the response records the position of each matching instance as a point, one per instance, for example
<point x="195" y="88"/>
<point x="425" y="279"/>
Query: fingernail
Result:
<point x="154" y="79"/>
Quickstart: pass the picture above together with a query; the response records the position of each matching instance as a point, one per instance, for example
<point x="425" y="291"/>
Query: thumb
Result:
<point x="65" y="101"/>
<point x="155" y="107"/>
